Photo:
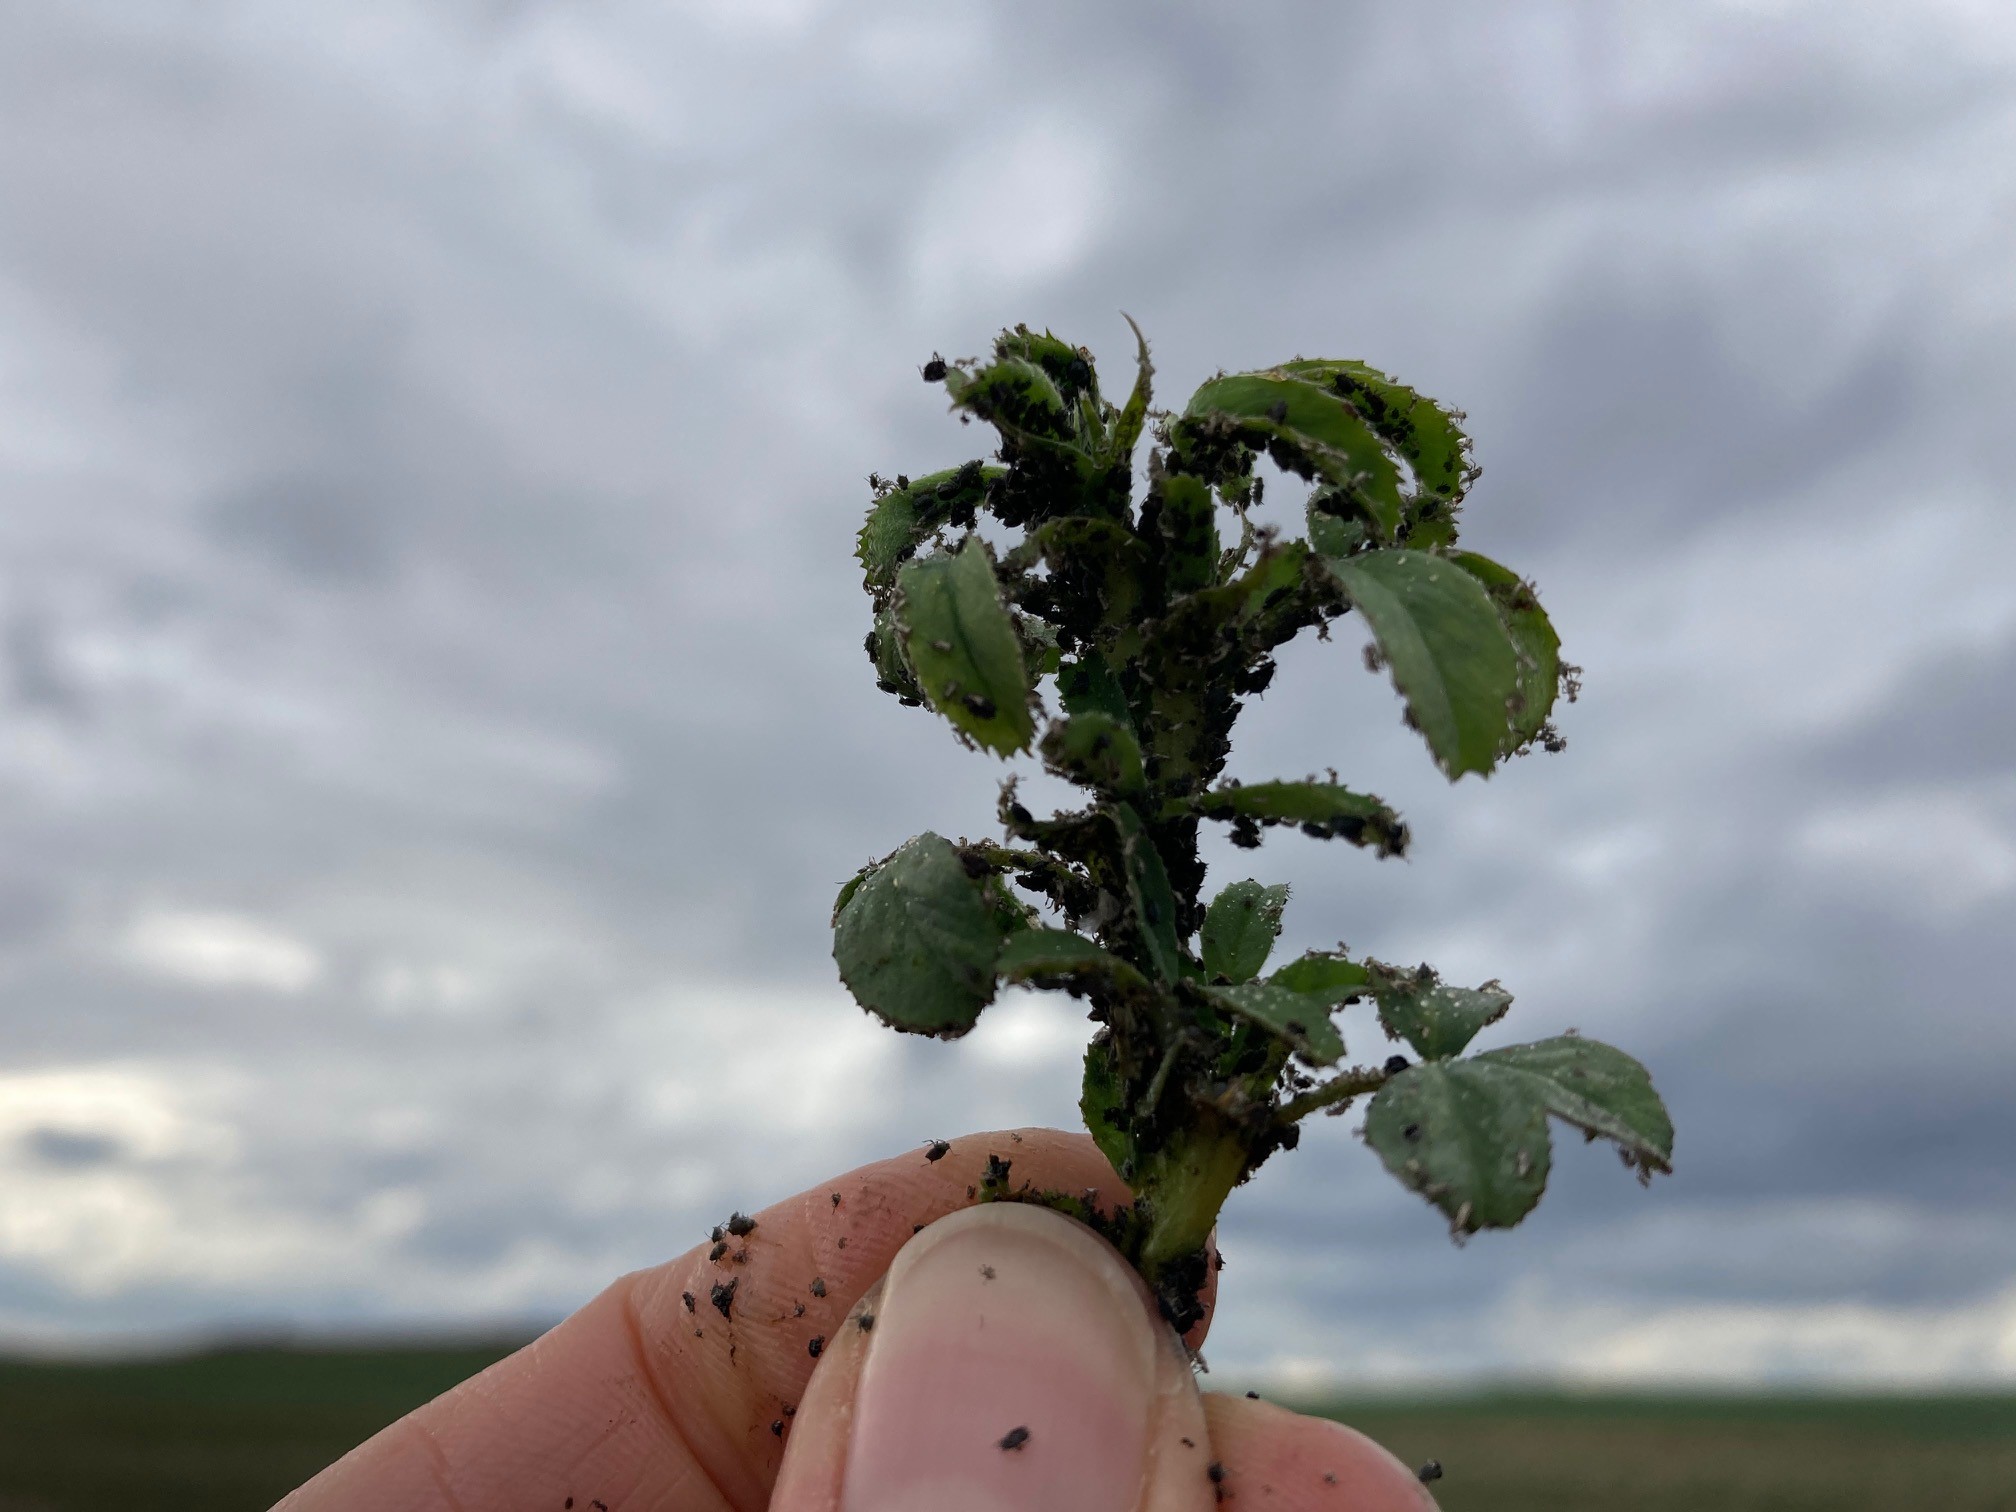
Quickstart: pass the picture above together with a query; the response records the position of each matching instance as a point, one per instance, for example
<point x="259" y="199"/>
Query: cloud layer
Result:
<point x="433" y="723"/>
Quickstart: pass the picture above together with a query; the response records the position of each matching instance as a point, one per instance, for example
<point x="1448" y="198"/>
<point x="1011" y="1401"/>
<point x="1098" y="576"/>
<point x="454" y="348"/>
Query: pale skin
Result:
<point x="1001" y="1317"/>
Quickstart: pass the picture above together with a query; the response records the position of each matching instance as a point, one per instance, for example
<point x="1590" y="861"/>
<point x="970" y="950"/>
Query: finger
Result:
<point x="1015" y="1364"/>
<point x="676" y="1386"/>
<point x="1280" y="1461"/>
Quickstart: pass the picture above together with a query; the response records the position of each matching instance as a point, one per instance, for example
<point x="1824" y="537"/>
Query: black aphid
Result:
<point x="1014" y="1438"/>
<point x="723" y="1295"/>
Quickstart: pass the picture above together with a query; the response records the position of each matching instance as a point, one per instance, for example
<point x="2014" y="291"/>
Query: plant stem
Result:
<point x="1153" y="1099"/>
<point x="1188" y="1183"/>
<point x="1333" y="1094"/>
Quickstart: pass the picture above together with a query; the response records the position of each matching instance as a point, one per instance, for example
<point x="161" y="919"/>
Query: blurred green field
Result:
<point x="233" y="1430"/>
<point x="1547" y="1452"/>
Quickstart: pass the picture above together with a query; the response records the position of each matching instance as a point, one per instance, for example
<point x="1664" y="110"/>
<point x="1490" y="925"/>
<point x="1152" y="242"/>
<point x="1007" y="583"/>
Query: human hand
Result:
<point x="840" y="1356"/>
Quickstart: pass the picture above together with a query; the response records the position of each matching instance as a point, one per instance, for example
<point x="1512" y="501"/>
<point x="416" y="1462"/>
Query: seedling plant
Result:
<point x="1119" y="641"/>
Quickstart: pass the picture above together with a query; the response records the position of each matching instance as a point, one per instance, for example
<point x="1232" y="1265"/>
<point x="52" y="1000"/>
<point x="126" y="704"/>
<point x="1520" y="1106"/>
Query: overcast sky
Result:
<point x="433" y="721"/>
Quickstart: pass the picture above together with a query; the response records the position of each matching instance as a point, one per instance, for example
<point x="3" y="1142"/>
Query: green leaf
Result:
<point x="1039" y="644"/>
<point x="1010" y="914"/>
<point x="1471" y="1135"/>
<point x="1240" y="928"/>
<point x="959" y="640"/>
<point x="1050" y="352"/>
<point x="1326" y="976"/>
<point x="1103" y="1101"/>
<point x="1041" y="394"/>
<point x="1538" y="647"/>
<point x="1016" y="396"/>
<point x="1095" y="750"/>
<point x="892" y="672"/>
<point x="1419" y="429"/>
<point x="1322" y="809"/>
<point x="1149" y="897"/>
<point x="1597" y="1088"/>
<point x="900" y="520"/>
<point x="1471" y="1141"/>
<point x="1268" y="594"/>
<point x="1127" y="423"/>
<point x="1450" y="655"/>
<point x="1331" y="534"/>
<point x="1305" y="428"/>
<point x="1302" y="1019"/>
<point x="1437" y="1021"/>
<point x="1046" y="955"/>
<point x="847" y="890"/>
<point x="1086" y="685"/>
<point x="1070" y="369"/>
<point x="916" y="940"/>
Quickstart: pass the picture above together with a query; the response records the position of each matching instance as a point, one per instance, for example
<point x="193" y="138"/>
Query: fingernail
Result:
<point x="1012" y="1366"/>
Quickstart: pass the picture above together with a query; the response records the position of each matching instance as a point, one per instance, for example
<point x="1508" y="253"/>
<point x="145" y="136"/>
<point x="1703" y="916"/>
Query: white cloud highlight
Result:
<point x="201" y="949"/>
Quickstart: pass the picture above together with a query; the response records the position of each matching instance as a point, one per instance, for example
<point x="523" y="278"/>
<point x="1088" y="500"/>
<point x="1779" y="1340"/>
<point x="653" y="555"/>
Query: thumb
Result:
<point x="1009" y="1361"/>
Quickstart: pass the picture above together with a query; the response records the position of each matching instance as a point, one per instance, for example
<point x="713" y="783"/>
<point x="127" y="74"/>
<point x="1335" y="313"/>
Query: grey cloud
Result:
<point x="40" y="682"/>
<point x="28" y="908"/>
<point x="317" y="527"/>
<point x="1954" y="722"/>
<point x="451" y="575"/>
<point x="1641" y="408"/>
<point x="64" y="1147"/>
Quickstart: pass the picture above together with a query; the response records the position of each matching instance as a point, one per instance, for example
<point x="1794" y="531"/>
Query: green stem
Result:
<point x="1153" y="1099"/>
<point x="1332" y="1094"/>
<point x="1186" y="1186"/>
<point x="1015" y="859"/>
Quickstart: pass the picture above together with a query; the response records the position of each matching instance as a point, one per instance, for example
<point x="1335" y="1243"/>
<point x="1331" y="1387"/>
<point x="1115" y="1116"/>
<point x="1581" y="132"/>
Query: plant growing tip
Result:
<point x="1118" y="641"/>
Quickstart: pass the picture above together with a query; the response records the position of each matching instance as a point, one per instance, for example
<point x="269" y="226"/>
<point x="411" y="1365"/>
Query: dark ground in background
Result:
<point x="232" y="1431"/>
